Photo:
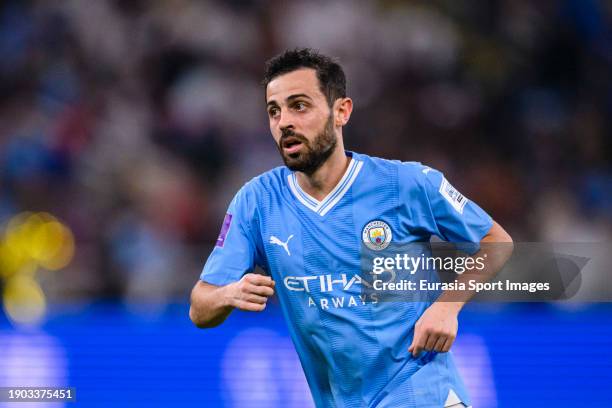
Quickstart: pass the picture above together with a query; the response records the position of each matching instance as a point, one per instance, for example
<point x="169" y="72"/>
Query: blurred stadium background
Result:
<point x="127" y="126"/>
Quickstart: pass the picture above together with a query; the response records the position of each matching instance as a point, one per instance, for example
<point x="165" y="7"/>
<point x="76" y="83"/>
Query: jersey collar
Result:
<point x="324" y="206"/>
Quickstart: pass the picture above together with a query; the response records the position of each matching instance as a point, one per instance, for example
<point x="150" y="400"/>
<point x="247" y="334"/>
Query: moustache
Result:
<point x="286" y="134"/>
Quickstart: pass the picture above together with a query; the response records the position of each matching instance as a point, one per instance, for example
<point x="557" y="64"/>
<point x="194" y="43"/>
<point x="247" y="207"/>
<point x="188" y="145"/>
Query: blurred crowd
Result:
<point x="134" y="122"/>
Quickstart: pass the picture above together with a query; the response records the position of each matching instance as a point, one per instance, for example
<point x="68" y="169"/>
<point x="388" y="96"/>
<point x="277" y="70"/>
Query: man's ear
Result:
<point x="343" y="107"/>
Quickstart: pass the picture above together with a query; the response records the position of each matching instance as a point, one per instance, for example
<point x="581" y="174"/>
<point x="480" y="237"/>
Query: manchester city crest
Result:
<point x="376" y="235"/>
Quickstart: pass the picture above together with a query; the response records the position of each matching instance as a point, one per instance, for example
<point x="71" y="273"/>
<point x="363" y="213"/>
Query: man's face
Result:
<point x="301" y="121"/>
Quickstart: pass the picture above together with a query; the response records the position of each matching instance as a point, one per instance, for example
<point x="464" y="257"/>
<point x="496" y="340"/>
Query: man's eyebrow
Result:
<point x="290" y="98"/>
<point x="296" y="96"/>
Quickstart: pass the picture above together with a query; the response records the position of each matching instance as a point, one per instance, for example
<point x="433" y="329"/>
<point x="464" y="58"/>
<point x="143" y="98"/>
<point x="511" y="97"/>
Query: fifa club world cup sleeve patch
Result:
<point x="227" y="222"/>
<point x="453" y="196"/>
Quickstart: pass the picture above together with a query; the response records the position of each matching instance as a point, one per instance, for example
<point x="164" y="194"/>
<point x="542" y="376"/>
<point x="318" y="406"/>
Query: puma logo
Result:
<point x="276" y="241"/>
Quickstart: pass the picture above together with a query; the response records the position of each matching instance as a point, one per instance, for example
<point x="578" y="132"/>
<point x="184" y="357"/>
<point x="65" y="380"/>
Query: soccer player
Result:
<point x="304" y="224"/>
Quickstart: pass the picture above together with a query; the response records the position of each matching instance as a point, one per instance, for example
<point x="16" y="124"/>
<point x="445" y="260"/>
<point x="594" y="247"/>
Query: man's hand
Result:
<point x="250" y="293"/>
<point x="436" y="329"/>
<point x="211" y="304"/>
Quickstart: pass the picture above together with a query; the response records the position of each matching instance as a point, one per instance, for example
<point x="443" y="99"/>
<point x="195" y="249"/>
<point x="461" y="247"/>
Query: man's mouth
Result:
<point x="291" y="145"/>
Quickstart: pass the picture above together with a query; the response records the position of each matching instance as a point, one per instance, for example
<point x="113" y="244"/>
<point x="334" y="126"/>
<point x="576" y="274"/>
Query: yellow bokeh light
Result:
<point x="31" y="240"/>
<point x="23" y="300"/>
<point x="52" y="245"/>
<point x="35" y="237"/>
<point x="17" y="221"/>
<point x="12" y="263"/>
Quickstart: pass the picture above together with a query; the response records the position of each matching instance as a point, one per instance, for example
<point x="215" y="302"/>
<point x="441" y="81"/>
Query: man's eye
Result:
<point x="300" y="106"/>
<point x="273" y="111"/>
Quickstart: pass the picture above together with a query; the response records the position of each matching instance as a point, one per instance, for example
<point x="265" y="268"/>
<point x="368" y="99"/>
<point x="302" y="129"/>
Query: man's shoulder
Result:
<point x="267" y="182"/>
<point x="406" y="170"/>
<point x="259" y="191"/>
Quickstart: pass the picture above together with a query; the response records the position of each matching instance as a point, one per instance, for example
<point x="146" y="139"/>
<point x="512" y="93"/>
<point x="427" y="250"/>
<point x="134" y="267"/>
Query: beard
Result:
<point x="312" y="155"/>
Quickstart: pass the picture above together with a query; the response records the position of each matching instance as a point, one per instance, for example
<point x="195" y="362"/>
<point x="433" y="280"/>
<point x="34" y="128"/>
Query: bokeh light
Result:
<point x="31" y="242"/>
<point x="23" y="300"/>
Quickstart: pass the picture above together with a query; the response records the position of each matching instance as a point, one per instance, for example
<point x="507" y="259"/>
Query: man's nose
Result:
<point x="286" y="122"/>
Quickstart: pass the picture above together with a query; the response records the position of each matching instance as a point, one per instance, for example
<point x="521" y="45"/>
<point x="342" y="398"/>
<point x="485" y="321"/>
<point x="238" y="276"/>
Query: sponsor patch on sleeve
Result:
<point x="227" y="221"/>
<point x="453" y="196"/>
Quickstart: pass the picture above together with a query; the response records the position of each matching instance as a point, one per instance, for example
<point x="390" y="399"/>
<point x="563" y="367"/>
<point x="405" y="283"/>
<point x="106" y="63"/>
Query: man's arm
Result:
<point x="437" y="328"/>
<point x="211" y="304"/>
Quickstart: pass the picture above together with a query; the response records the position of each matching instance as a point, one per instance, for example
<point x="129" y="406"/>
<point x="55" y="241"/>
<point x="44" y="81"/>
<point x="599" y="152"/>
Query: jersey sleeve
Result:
<point x="234" y="253"/>
<point x="457" y="218"/>
<point x="452" y="216"/>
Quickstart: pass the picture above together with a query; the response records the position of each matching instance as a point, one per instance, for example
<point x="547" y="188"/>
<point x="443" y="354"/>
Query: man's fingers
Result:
<point x="251" y="307"/>
<point x="260" y="290"/>
<point x="431" y="342"/>
<point x="439" y="346"/>
<point x="253" y="298"/>
<point x="417" y="343"/>
<point x="413" y="344"/>
<point x="259" y="280"/>
<point x="447" y="344"/>
<point x="416" y="350"/>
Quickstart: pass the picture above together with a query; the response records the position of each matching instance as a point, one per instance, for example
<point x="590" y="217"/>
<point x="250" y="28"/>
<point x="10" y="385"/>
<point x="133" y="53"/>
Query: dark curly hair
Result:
<point x="332" y="81"/>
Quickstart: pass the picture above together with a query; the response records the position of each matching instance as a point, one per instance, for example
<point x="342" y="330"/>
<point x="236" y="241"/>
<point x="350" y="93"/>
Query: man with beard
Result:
<point x="306" y="224"/>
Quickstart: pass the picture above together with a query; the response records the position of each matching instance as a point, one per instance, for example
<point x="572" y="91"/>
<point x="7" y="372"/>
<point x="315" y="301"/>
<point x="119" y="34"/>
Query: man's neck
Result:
<point x="321" y="182"/>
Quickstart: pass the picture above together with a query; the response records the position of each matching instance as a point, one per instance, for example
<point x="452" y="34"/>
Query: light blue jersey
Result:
<point x="353" y="348"/>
